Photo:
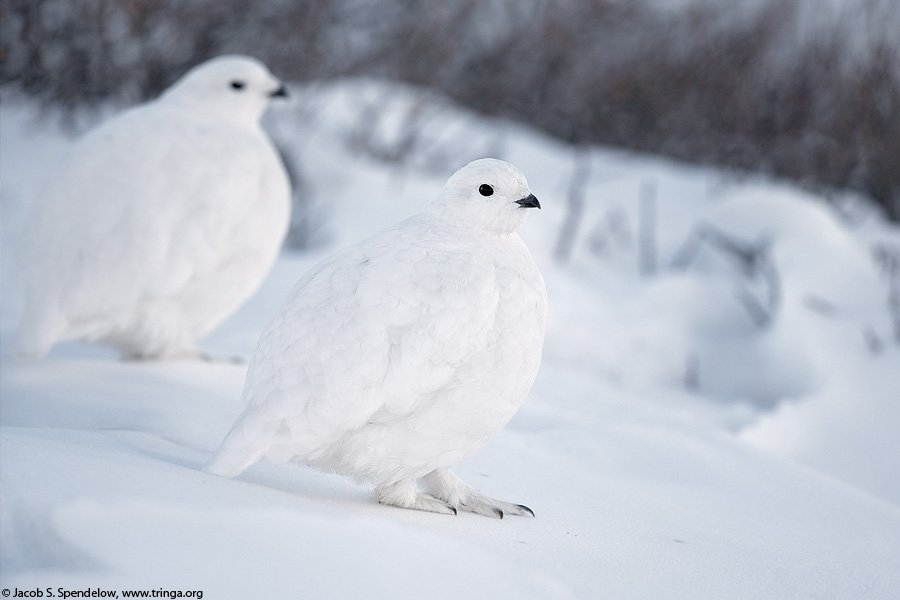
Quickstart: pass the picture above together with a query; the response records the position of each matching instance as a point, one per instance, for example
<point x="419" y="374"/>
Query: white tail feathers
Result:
<point x="38" y="333"/>
<point x="231" y="462"/>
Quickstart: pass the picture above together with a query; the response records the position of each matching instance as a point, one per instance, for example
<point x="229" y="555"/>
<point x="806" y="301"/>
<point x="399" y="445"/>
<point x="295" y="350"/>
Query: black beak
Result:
<point x="281" y="92"/>
<point x="529" y="202"/>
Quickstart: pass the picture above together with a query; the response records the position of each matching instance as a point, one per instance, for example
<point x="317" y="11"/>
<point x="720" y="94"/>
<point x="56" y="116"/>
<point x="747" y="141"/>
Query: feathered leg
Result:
<point x="444" y="485"/>
<point x="404" y="494"/>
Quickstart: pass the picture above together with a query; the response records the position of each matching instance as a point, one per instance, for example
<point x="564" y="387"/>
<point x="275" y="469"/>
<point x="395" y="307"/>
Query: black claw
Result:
<point x="525" y="508"/>
<point x="499" y="512"/>
<point x="453" y="508"/>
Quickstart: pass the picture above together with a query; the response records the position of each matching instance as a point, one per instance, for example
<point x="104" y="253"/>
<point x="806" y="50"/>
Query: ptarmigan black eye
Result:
<point x="237" y="85"/>
<point x="485" y="190"/>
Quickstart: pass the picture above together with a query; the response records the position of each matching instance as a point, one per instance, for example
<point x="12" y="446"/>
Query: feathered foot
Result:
<point x="404" y="495"/>
<point x="446" y="493"/>
<point x="447" y="487"/>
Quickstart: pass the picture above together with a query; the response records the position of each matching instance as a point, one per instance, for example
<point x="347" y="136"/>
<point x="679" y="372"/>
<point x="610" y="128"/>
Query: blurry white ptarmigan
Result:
<point x="164" y="220"/>
<point x="397" y="358"/>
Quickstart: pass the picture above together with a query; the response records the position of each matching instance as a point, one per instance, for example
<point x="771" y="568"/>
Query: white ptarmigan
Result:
<point x="397" y="358"/>
<point x="163" y="222"/>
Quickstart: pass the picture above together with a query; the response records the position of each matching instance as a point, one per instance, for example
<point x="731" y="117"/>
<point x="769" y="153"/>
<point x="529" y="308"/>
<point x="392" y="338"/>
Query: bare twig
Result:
<point x="754" y="262"/>
<point x="692" y="371"/>
<point x="887" y="256"/>
<point x="581" y="173"/>
<point x="647" y="228"/>
<point x="820" y="305"/>
<point x="872" y="339"/>
<point x="612" y="227"/>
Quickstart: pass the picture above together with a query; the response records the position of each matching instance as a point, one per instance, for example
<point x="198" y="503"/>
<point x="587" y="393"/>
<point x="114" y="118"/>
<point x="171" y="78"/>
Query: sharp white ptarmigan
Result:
<point x="163" y="222"/>
<point x="397" y="358"/>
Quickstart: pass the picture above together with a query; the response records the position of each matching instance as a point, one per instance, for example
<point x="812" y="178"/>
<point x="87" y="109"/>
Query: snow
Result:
<point x="673" y="446"/>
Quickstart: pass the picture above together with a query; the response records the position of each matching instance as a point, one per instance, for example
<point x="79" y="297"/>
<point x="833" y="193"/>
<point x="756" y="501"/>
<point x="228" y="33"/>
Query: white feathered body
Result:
<point x="398" y="356"/>
<point x="161" y="224"/>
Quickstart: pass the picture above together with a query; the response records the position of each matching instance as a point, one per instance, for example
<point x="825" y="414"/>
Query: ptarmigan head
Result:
<point x="236" y="88"/>
<point x="486" y="194"/>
